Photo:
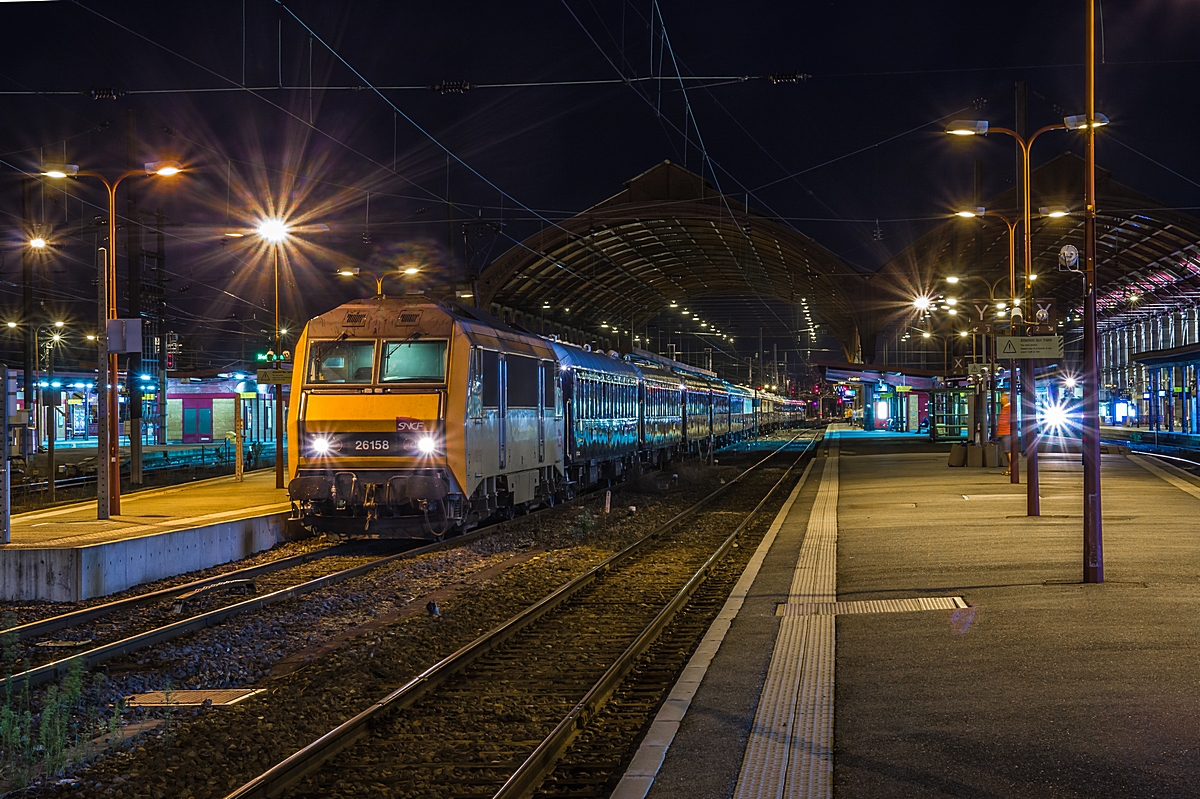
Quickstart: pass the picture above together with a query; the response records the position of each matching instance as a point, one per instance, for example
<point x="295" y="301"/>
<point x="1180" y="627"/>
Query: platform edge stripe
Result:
<point x="636" y="786"/>
<point x="1166" y="476"/>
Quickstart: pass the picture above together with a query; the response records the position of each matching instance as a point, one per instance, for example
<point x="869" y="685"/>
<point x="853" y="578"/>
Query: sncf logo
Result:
<point x="409" y="425"/>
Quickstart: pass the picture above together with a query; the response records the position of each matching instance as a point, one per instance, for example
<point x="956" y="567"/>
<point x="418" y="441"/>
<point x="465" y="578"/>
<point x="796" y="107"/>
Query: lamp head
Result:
<point x="1079" y="121"/>
<point x="412" y="270"/>
<point x="164" y="168"/>
<point x="12" y="325"/>
<point x="273" y="230"/>
<point x="971" y="213"/>
<point x="1054" y="211"/>
<point x="58" y="324"/>
<point x="967" y="127"/>
<point x="37" y="243"/>
<point x="58" y="171"/>
<point x="348" y="271"/>
<point x="927" y="334"/>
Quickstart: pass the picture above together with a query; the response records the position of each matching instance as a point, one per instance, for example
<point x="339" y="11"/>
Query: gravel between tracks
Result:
<point x="218" y="749"/>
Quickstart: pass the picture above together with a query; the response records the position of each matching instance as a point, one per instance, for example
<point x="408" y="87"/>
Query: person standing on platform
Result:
<point x="1004" y="428"/>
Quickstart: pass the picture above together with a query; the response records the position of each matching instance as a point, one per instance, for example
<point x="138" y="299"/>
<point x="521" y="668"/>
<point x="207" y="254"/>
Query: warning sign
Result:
<point x="1029" y="346"/>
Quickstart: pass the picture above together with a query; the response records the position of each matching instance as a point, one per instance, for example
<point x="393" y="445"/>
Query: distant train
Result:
<point x="413" y="418"/>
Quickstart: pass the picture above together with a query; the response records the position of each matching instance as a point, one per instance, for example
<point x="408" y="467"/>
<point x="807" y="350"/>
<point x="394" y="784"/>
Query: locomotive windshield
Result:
<point x="413" y="362"/>
<point x="341" y="361"/>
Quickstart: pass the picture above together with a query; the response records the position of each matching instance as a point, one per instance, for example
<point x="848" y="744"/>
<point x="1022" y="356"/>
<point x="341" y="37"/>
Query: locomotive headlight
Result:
<point x="320" y="446"/>
<point x="426" y="445"/>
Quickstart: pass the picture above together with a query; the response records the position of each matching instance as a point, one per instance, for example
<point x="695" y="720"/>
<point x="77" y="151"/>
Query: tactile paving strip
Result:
<point x="871" y="606"/>
<point x="790" y="751"/>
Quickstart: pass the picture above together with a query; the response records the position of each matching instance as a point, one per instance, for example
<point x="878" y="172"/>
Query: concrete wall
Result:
<point x="71" y="575"/>
<point x="222" y="418"/>
<point x="174" y="420"/>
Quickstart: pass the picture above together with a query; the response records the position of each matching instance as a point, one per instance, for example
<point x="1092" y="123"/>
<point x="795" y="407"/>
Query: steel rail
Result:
<point x="312" y="757"/>
<point x="530" y="774"/>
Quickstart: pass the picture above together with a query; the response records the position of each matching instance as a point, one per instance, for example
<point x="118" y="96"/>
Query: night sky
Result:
<point x="851" y="154"/>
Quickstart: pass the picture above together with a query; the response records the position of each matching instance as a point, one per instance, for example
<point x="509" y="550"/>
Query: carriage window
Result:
<point x="491" y="379"/>
<point x="522" y="382"/>
<point x="413" y="362"/>
<point x="340" y="361"/>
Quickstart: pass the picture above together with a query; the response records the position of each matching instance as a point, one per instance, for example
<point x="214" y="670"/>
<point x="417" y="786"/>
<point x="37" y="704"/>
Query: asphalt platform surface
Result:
<point x="1044" y="687"/>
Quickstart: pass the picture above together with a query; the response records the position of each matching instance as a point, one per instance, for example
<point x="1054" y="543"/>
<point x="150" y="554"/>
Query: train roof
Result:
<point x="575" y="357"/>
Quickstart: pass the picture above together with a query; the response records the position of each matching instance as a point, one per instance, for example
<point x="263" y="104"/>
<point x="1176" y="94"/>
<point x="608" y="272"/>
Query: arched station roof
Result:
<point x="671" y="237"/>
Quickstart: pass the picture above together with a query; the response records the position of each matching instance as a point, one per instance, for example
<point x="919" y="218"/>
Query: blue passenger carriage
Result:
<point x="662" y="412"/>
<point x="601" y="395"/>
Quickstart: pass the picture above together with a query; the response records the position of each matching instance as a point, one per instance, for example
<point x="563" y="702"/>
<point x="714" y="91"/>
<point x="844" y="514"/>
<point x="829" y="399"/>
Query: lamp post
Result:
<point x="1093" y="533"/>
<point x="1051" y="212"/>
<point x="979" y="127"/>
<point x="354" y="271"/>
<point x="108" y="479"/>
<point x="275" y="231"/>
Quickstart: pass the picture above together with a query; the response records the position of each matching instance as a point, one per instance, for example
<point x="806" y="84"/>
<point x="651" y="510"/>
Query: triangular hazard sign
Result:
<point x="1009" y="347"/>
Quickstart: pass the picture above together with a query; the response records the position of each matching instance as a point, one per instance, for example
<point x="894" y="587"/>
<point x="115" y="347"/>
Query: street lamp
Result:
<point x="275" y="232"/>
<point x="354" y="271"/>
<point x="108" y="480"/>
<point x="1093" y="523"/>
<point x="970" y="127"/>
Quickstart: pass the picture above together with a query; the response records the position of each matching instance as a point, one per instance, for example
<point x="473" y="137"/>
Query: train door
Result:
<point x="502" y="416"/>
<point x="491" y="392"/>
<point x="546" y="403"/>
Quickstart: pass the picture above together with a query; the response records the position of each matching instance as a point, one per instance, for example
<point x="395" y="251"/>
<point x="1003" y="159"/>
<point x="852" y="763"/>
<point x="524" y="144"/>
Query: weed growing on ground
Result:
<point x="583" y="525"/>
<point x="47" y="743"/>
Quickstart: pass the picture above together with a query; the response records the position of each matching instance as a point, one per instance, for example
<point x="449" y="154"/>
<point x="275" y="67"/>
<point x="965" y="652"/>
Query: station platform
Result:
<point x="906" y="630"/>
<point x="66" y="554"/>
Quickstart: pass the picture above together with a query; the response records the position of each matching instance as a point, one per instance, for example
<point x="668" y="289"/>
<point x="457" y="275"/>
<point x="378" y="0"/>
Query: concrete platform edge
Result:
<point x="77" y="573"/>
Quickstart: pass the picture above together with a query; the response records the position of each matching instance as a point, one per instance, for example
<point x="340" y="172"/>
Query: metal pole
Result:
<point x="1093" y="537"/>
<point x="239" y="463"/>
<point x="29" y="359"/>
<point x="103" y="494"/>
<point x="279" y="387"/>
<point x="1014" y="445"/>
<point x="52" y="426"/>
<point x="133" y="260"/>
<point x="114" y="407"/>
<point x="1029" y="431"/>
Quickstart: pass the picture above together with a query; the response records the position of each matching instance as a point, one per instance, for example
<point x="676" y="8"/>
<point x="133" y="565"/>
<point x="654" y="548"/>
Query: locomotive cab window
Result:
<point x="341" y="361"/>
<point x="413" y="362"/>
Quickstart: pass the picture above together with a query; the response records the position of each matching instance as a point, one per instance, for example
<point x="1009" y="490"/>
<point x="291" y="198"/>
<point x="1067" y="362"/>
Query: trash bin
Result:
<point x="958" y="455"/>
<point x="992" y="456"/>
<point x="974" y="456"/>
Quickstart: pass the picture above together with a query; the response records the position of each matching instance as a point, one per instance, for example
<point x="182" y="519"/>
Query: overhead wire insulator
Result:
<point x="107" y="93"/>
<point x="789" y="77"/>
<point x="452" y="87"/>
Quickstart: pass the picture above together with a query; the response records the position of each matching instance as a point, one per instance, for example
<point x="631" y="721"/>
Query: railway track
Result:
<point x="496" y="717"/>
<point x="279" y="580"/>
